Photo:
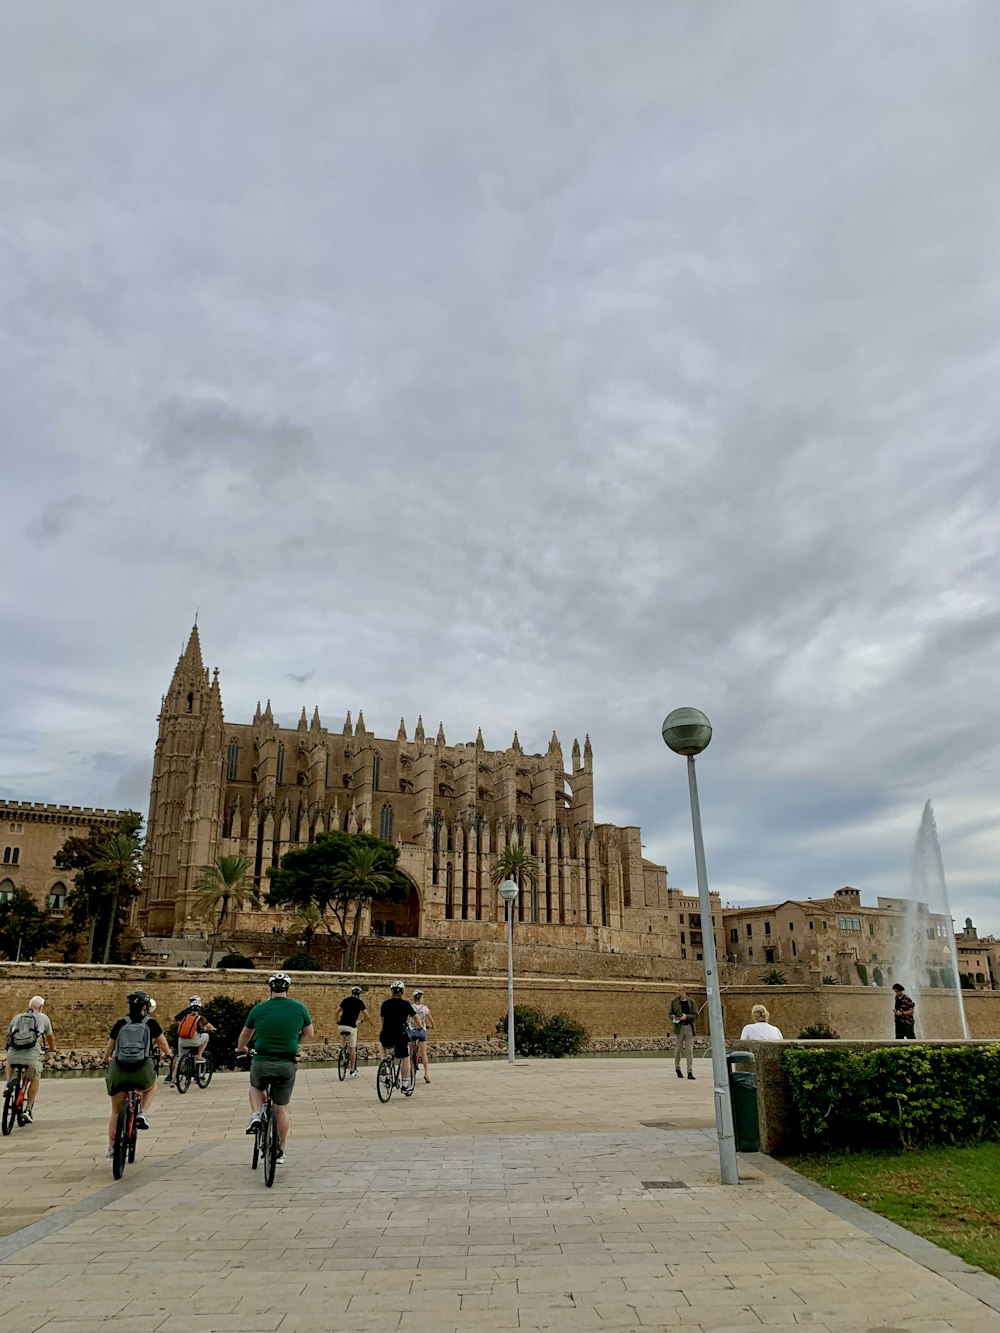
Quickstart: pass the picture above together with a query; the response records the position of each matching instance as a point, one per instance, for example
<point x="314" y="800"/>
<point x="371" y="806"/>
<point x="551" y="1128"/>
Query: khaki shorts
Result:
<point x="26" y="1060"/>
<point x="278" y="1072"/>
<point x="351" y="1034"/>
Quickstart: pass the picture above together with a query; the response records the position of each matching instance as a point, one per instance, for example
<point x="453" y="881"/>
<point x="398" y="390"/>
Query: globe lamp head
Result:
<point x="687" y="731"/>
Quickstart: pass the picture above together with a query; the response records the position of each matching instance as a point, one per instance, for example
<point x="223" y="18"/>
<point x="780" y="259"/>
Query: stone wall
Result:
<point x="83" y="1000"/>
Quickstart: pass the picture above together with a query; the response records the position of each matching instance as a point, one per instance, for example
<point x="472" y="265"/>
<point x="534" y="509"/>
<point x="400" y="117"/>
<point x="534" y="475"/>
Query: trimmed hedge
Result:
<point x="552" y="1035"/>
<point x="891" y="1097"/>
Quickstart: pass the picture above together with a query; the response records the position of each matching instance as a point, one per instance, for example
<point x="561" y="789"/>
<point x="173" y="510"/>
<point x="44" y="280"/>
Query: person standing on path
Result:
<point x="682" y="1015"/>
<point x="903" y="1012"/>
<point x="418" y="1035"/>
<point x="28" y="1035"/>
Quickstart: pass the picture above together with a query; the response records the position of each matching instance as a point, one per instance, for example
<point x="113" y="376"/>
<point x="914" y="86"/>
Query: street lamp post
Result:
<point x="508" y="892"/>
<point x="687" y="731"/>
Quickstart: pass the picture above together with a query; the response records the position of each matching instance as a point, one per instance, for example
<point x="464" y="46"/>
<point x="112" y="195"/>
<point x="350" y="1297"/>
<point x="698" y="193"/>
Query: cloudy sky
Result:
<point x="522" y="366"/>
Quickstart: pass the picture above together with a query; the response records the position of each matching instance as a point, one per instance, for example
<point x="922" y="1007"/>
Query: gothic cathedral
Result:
<point x="258" y="789"/>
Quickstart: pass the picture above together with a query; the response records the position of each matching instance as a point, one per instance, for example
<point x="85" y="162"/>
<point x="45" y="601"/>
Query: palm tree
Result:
<point x="358" y="880"/>
<point x="306" y="921"/>
<point x="121" y="861"/>
<point x="220" y="886"/>
<point x="519" y="865"/>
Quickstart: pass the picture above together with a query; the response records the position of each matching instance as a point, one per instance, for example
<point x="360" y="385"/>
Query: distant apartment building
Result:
<point x="30" y="836"/>
<point x="839" y="937"/>
<point x="682" y="925"/>
<point x="978" y="959"/>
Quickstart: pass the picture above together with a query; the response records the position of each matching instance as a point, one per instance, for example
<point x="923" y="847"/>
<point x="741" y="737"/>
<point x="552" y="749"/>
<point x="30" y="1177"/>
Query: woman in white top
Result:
<point x="760" y="1029"/>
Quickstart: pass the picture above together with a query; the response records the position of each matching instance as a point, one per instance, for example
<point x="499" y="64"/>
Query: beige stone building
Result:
<point x="259" y="789"/>
<point x="978" y="958"/>
<point x="30" y="837"/>
<point x="834" y="935"/>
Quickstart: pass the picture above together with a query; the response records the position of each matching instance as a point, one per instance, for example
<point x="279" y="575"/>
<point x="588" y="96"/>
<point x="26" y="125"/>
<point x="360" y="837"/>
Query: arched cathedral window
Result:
<point x="385" y="823"/>
<point x="376" y="771"/>
<point x="279" y="772"/>
<point x="232" y="760"/>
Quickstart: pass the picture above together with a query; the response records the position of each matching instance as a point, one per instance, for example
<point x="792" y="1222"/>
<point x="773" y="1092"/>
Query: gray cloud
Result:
<point x="547" y="368"/>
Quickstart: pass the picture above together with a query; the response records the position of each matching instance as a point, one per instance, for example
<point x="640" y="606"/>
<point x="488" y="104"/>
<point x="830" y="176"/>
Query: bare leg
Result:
<point x="256" y="1099"/>
<point x="147" y="1097"/>
<point x="422" y="1053"/>
<point x="284" y="1120"/>
<point x="33" y="1091"/>
<point x="404" y="1069"/>
<point x="116" y="1106"/>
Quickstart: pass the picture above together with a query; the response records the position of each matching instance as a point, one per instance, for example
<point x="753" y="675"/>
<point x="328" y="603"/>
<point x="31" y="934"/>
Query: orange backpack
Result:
<point x="189" y="1026"/>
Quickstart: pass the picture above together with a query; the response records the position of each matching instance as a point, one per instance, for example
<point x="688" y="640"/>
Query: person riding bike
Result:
<point x="130" y="1052"/>
<point x="418" y="1035"/>
<point x="193" y="1031"/>
<point x="395" y="1014"/>
<point x="352" y="1013"/>
<point x="277" y="1025"/>
<point x="28" y="1035"/>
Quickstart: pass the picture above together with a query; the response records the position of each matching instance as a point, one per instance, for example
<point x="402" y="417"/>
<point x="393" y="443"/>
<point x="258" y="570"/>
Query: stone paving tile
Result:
<point x="500" y="1218"/>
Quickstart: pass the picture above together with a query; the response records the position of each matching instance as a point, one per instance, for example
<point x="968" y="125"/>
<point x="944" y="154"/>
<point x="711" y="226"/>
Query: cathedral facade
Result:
<point x="258" y="789"/>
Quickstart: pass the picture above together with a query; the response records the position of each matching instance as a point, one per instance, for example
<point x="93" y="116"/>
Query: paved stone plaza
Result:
<point x="497" y="1197"/>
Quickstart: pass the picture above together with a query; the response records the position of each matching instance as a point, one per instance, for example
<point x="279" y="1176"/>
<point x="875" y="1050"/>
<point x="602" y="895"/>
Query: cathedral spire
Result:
<point x="256" y="716"/>
<point x="361" y="729"/>
<point x="418" y="735"/>
<point x="401" y="733"/>
<point x="348" y="724"/>
<point x="315" y="724"/>
<point x="554" y="743"/>
<point x="588" y="753"/>
<point x="303" y="724"/>
<point x="440" y="736"/>
<point x="515" y="745"/>
<point x="480" y="743"/>
<point x="268" y="715"/>
<point x="191" y="656"/>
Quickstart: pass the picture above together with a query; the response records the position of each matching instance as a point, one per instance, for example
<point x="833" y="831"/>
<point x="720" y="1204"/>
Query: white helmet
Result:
<point x="397" y="988"/>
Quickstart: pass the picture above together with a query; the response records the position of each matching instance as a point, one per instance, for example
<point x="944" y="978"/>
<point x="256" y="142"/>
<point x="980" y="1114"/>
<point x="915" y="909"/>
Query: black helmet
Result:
<point x="279" y="982"/>
<point x="138" y="999"/>
<point x="355" y="990"/>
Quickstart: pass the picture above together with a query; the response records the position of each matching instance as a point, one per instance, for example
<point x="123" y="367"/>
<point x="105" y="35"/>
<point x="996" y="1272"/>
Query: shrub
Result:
<point x="896" y="1096"/>
<point x="536" y="1033"/>
<point x="775" y="977"/>
<point x="234" y="960"/>
<point x="819" y="1032"/>
<point x="829" y="981"/>
<point x="862" y="973"/>
<point x="227" y="1015"/>
<point x="302" y="962"/>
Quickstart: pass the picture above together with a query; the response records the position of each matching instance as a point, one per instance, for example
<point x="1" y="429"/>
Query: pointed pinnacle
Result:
<point x="303" y="723"/>
<point x="315" y="724"/>
<point x="361" y="722"/>
<point x="440" y="736"/>
<point x="480" y="744"/>
<point x="348" y="725"/>
<point x="401" y="733"/>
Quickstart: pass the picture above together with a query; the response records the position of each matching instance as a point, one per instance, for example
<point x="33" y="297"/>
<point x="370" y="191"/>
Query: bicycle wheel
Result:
<point x="9" y="1107"/>
<point x="203" y="1075"/>
<point x="343" y="1063"/>
<point x="120" y="1156"/>
<point x="270" y="1147"/>
<point x="256" y="1148"/>
<point x="182" y="1079"/>
<point x="385" y="1080"/>
<point x="133" y="1134"/>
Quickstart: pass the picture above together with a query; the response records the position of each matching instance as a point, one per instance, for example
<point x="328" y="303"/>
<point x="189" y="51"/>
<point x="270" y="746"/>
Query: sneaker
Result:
<point x="280" y="1159"/>
<point x="141" y="1122"/>
<point x="169" y="1081"/>
<point x="408" y="1090"/>
<point x="27" y="1116"/>
<point x="353" y="1074"/>
<point x="110" y="1154"/>
<point x="678" y="1073"/>
<point x="691" y="1076"/>
<point x="254" y="1123"/>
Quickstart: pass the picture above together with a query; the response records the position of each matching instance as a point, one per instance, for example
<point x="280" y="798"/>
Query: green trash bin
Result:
<point x="743" y="1096"/>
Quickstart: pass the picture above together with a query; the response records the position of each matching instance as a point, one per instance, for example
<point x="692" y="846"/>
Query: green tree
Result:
<point x="515" y="863"/>
<point x="306" y="921"/>
<point x="339" y="875"/>
<point x="24" y="926"/>
<point x="225" y="885"/>
<point x="105" y="882"/>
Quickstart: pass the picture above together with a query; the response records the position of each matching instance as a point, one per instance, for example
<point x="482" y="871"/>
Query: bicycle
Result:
<point x="188" y="1068"/>
<point x="265" y="1139"/>
<point x="126" y="1133"/>
<point x="344" y="1060"/>
<point x="388" y="1077"/>
<point x="15" y="1100"/>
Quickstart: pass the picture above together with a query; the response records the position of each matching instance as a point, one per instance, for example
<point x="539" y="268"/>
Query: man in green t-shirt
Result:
<point x="277" y="1025"/>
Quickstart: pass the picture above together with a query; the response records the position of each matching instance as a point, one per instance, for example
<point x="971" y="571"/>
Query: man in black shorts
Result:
<point x="396" y="1012"/>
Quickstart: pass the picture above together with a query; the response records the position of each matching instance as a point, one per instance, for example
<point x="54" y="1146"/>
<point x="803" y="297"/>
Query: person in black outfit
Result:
<point x="395" y="1013"/>
<point x="904" y="1016"/>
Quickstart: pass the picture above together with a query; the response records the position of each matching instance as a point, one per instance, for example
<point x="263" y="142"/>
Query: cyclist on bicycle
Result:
<point x="352" y="1013"/>
<point x="395" y="1013"/>
<point x="277" y="1025"/>
<point x="28" y="1035"/>
<point x="418" y="1035"/>
<point x="192" y="1035"/>
<point x="130" y="1052"/>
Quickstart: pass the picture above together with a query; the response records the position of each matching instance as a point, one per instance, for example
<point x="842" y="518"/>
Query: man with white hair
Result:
<point x="28" y="1035"/>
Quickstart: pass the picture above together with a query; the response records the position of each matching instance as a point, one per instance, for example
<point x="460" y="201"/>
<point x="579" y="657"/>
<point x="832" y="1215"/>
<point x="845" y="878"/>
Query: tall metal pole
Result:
<point x="510" y="982"/>
<point x="723" y="1107"/>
